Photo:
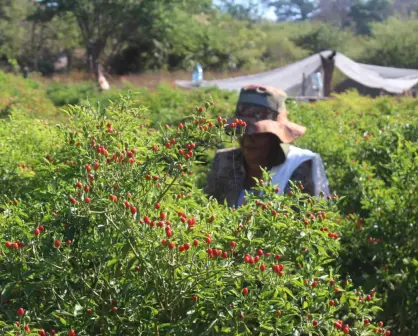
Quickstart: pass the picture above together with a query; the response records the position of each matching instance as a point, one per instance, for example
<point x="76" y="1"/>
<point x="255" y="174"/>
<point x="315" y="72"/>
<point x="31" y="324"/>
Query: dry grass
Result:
<point x="148" y="79"/>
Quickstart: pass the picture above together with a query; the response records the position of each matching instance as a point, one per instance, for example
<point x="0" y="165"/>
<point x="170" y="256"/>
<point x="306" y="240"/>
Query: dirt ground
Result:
<point x="149" y="79"/>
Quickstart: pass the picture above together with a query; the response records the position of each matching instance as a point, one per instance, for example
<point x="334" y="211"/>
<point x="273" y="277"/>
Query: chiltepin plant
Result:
<point x="116" y="239"/>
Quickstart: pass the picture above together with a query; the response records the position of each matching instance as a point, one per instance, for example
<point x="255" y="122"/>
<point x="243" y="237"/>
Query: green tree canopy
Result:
<point x="13" y="29"/>
<point x="98" y="21"/>
<point x="240" y="11"/>
<point x="291" y="10"/>
<point x="394" y="43"/>
<point x="363" y="13"/>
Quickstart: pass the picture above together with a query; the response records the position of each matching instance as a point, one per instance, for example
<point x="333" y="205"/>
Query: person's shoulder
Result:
<point x="228" y="153"/>
<point x="303" y="175"/>
<point x="227" y="168"/>
<point x="295" y="149"/>
<point x="226" y="158"/>
<point x="302" y="152"/>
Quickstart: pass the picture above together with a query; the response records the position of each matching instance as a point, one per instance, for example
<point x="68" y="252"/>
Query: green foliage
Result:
<point x="364" y="13"/>
<point x="33" y="40"/>
<point x="177" y="39"/>
<point x="108" y="25"/>
<point x="25" y="142"/>
<point x="98" y="21"/>
<point x="239" y="11"/>
<point x="388" y="240"/>
<point x="370" y="154"/>
<point x="135" y="36"/>
<point x="63" y="94"/>
<point x="27" y="96"/>
<point x="290" y="42"/>
<point x="232" y="45"/>
<point x="280" y="49"/>
<point x="369" y="149"/>
<point x="323" y="37"/>
<point x="161" y="103"/>
<point x="121" y="257"/>
<point x="293" y="9"/>
<point x="394" y="44"/>
<point x="12" y="33"/>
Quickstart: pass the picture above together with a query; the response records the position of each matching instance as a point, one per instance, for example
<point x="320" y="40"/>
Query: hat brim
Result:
<point x="282" y="128"/>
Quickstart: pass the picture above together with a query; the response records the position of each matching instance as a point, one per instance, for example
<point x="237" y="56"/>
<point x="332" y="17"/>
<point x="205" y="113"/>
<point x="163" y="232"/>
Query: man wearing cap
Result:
<point x="266" y="144"/>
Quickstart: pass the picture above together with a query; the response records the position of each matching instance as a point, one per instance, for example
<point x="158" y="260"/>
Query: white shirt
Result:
<point x="283" y="172"/>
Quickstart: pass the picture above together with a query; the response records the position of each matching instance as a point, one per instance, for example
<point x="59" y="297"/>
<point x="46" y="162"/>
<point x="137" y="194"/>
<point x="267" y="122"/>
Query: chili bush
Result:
<point x="109" y="235"/>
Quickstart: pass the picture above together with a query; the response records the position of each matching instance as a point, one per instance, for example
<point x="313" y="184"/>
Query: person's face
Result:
<point x="256" y="148"/>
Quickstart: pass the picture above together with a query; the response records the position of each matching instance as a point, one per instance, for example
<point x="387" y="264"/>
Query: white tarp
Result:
<point x="295" y="78"/>
<point x="389" y="72"/>
<point x="368" y="77"/>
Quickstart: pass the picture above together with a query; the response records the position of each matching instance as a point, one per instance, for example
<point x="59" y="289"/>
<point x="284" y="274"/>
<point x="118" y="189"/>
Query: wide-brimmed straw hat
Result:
<point x="272" y="119"/>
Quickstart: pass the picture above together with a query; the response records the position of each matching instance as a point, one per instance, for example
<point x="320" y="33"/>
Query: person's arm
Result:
<point x="226" y="177"/>
<point x="212" y="185"/>
<point x="303" y="175"/>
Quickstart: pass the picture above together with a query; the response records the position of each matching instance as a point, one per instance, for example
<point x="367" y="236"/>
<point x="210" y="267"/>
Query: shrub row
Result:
<point x="370" y="152"/>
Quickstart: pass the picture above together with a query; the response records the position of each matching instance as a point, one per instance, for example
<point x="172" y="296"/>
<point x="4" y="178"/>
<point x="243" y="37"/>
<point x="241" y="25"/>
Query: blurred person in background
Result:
<point x="266" y="143"/>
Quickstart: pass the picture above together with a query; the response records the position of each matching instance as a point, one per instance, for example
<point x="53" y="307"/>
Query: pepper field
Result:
<point x="104" y="229"/>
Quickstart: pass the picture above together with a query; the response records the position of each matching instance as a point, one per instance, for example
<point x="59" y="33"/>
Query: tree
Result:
<point x="291" y="10"/>
<point x="50" y="36"/>
<point x="239" y="11"/>
<point x="170" y="34"/>
<point x="321" y="37"/>
<point x="32" y="40"/>
<point x="98" y="22"/>
<point x="14" y="28"/>
<point x="334" y="11"/>
<point x="405" y="7"/>
<point x="102" y="21"/>
<point x="394" y="44"/>
<point x="363" y="13"/>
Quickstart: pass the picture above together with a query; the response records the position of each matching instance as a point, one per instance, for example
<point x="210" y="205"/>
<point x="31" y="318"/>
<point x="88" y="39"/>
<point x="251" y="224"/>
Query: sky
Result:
<point x="269" y="14"/>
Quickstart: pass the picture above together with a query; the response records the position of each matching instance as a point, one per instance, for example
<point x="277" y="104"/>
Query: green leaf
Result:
<point x="62" y="321"/>
<point x="376" y="309"/>
<point x="111" y="262"/>
<point x="7" y="290"/>
<point x="321" y="250"/>
<point x="266" y="328"/>
<point x="287" y="290"/>
<point x="164" y="325"/>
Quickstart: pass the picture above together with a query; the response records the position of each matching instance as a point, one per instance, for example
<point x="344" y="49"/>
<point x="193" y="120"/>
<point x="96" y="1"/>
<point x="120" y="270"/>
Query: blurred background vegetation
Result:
<point x="137" y="36"/>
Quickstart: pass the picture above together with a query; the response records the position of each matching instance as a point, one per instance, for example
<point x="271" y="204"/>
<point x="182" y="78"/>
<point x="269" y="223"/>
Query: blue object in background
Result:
<point x="197" y="75"/>
<point x="317" y="81"/>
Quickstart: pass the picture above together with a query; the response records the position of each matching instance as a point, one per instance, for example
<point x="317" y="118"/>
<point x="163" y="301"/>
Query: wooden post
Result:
<point x="328" y="64"/>
<point x="304" y="85"/>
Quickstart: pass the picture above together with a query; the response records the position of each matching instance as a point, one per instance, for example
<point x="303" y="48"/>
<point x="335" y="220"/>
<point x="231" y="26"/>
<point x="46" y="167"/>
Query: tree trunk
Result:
<point x="69" y="54"/>
<point x="33" y="47"/>
<point x="91" y="60"/>
<point x="94" y="50"/>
